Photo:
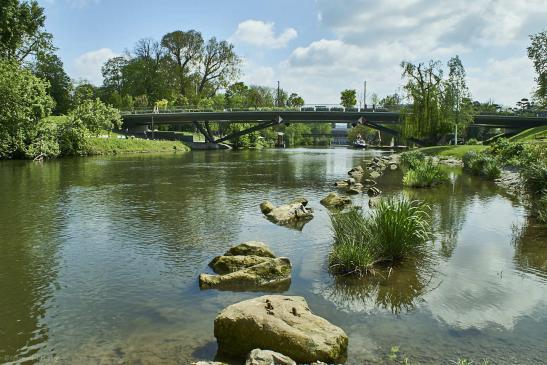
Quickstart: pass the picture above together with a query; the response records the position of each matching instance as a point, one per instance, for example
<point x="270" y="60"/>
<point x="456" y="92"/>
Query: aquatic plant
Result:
<point x="481" y="164"/>
<point x="425" y="174"/>
<point x="412" y="158"/>
<point x="393" y="231"/>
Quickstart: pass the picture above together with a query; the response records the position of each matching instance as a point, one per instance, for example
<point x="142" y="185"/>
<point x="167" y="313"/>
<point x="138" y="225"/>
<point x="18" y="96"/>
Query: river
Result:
<point x="99" y="259"/>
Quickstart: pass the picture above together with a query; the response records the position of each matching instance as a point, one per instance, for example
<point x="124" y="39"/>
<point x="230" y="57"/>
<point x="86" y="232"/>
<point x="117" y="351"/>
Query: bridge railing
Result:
<point x="304" y="108"/>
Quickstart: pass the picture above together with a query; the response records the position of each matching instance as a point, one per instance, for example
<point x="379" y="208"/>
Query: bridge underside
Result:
<point x="266" y="119"/>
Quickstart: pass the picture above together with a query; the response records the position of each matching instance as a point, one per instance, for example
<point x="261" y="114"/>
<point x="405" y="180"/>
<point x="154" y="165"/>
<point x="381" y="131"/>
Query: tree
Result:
<point x="456" y="100"/>
<point x="50" y="67"/>
<point x="295" y="101"/>
<point x="183" y="50"/>
<point x="259" y="97"/>
<point x="22" y="30"/>
<point x="236" y="95"/>
<point x="219" y="66"/>
<point x="96" y="116"/>
<point x="112" y="72"/>
<point x="424" y="88"/>
<point x="390" y="100"/>
<point x="84" y="90"/>
<point x="348" y="98"/>
<point x="24" y="101"/>
<point x="537" y="52"/>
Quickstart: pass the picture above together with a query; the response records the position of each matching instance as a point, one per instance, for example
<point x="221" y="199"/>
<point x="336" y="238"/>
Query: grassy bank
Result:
<point x="450" y="151"/>
<point x="537" y="134"/>
<point x="112" y="146"/>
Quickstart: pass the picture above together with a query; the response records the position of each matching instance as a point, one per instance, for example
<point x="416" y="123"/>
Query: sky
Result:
<point x="317" y="48"/>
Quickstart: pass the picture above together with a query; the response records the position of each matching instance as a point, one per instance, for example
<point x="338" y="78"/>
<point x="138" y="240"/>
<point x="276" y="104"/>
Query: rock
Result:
<point x="374" y="191"/>
<point x="267" y="357"/>
<point x="333" y="200"/>
<point x="393" y="166"/>
<point x="272" y="274"/>
<point x="373" y="202"/>
<point x="209" y="363"/>
<point x="285" y="214"/>
<point x="351" y="181"/>
<point x="299" y="200"/>
<point x="279" y="323"/>
<point x="354" y="190"/>
<point x="266" y="207"/>
<point x="375" y="174"/>
<point x="255" y="248"/>
<point x="356" y="172"/>
<point x="341" y="183"/>
<point x="228" y="264"/>
<point x="369" y="182"/>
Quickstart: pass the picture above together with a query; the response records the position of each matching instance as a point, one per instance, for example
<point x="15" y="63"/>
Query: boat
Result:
<point x="360" y="143"/>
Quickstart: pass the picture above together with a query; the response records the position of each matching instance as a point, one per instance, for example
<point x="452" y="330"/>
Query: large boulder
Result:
<point x="228" y="264"/>
<point x="268" y="357"/>
<point x="272" y="274"/>
<point x="255" y="248"/>
<point x="333" y="200"/>
<point x="279" y="323"/>
<point x="356" y="172"/>
<point x="290" y="213"/>
<point x="266" y="207"/>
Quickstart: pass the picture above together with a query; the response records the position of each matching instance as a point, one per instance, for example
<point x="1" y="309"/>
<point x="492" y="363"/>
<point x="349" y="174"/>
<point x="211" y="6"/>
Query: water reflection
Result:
<point x="531" y="247"/>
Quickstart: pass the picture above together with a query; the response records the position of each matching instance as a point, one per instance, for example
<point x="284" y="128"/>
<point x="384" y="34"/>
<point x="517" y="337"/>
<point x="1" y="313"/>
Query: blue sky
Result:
<point x="318" y="47"/>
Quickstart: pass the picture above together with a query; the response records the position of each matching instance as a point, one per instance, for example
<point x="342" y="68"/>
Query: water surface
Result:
<point x="99" y="259"/>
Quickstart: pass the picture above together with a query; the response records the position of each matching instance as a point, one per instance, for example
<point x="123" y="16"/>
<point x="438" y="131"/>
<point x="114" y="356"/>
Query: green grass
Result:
<point x="531" y="135"/>
<point x="450" y="151"/>
<point x="393" y="231"/>
<point x="112" y="146"/>
<point x="425" y="174"/>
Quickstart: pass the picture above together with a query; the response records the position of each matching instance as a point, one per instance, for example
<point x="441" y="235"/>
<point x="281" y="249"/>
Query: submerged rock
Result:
<point x="268" y="357"/>
<point x="209" y="363"/>
<point x="248" y="266"/>
<point x="279" y="323"/>
<point x="333" y="200"/>
<point x="272" y="274"/>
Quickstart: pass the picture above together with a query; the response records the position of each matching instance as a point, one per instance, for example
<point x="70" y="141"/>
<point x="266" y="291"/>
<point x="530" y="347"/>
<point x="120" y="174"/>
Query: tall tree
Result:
<point x="219" y="66"/>
<point x="348" y="98"/>
<point x="183" y="50"/>
<point x="456" y="102"/>
<point x="22" y="30"/>
<point x="295" y="101"/>
<point x="424" y="88"/>
<point x="50" y="67"/>
<point x="112" y="72"/>
<point x="537" y="52"/>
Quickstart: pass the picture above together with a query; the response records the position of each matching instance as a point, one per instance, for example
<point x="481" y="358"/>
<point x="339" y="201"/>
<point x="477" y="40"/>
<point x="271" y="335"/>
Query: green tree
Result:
<point x="457" y="105"/>
<point x="84" y="91"/>
<point x="112" y="72"/>
<point x="50" y="67"/>
<point x="390" y="100"/>
<point x="219" y="66"/>
<point x="22" y="32"/>
<point x="295" y="101"/>
<point x="236" y="95"/>
<point x="96" y="116"/>
<point x="259" y="97"/>
<point x="348" y="98"/>
<point x="184" y="50"/>
<point x="24" y="101"/>
<point x="537" y="52"/>
<point x="424" y="119"/>
<point x="362" y="131"/>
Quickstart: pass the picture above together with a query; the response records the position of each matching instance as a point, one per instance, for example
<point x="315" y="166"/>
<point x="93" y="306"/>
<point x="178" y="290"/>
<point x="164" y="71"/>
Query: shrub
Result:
<point x="393" y="231"/>
<point x="507" y="152"/>
<point x="412" y="158"/>
<point x="472" y="141"/>
<point x="481" y="164"/>
<point x="425" y="174"/>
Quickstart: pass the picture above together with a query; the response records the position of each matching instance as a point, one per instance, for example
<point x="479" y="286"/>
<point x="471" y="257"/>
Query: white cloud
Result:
<point x="261" y="34"/>
<point x="257" y="75"/>
<point x="88" y="65"/>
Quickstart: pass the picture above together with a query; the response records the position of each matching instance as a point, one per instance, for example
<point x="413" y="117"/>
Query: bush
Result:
<point x="425" y="174"/>
<point x="507" y="152"/>
<point x="481" y="164"/>
<point x="24" y="101"/>
<point x="472" y="141"/>
<point x="393" y="231"/>
<point x="412" y="158"/>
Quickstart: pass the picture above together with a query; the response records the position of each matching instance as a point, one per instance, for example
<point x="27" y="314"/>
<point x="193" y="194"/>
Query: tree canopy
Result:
<point x="537" y="52"/>
<point x="348" y="98"/>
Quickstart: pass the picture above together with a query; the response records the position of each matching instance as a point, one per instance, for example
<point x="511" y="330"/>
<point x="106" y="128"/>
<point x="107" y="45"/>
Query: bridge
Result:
<point x="377" y="119"/>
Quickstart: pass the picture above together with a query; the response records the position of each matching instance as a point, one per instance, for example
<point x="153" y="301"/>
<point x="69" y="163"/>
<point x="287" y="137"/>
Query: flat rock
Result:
<point x="373" y="191"/>
<point x="228" y="264"/>
<point x="255" y="248"/>
<point x="289" y="213"/>
<point x="333" y="200"/>
<point x="279" y="323"/>
<point x="375" y="174"/>
<point x="267" y="357"/>
<point x="273" y="274"/>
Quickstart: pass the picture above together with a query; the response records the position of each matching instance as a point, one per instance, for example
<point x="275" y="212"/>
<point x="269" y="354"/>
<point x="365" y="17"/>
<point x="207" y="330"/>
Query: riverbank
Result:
<point x="450" y="151"/>
<point x="114" y="146"/>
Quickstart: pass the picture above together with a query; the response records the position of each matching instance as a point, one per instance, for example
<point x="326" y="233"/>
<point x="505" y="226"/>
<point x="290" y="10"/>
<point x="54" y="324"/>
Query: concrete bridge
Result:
<point x="380" y="120"/>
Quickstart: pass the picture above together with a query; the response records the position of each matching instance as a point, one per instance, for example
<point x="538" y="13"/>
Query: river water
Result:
<point x="99" y="259"/>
